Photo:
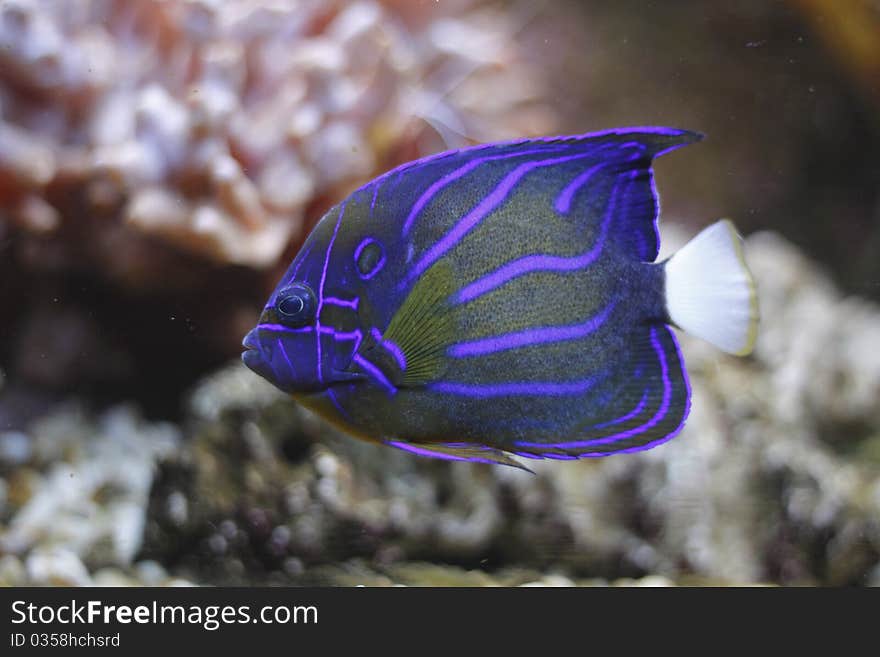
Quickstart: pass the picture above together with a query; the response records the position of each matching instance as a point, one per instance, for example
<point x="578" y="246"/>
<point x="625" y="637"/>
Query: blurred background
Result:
<point x="161" y="163"/>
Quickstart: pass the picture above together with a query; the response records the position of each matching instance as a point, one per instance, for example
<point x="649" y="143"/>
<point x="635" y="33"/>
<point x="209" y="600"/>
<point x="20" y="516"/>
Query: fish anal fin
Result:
<point x="459" y="452"/>
<point x="651" y="403"/>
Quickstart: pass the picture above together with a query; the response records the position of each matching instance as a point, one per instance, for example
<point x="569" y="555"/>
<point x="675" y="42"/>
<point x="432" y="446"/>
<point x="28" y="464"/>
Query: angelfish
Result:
<point x="504" y="300"/>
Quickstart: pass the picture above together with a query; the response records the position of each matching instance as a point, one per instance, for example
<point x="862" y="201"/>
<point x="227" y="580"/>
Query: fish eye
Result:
<point x="295" y="306"/>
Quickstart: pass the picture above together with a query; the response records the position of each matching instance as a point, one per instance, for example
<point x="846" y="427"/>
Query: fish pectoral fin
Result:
<point x="459" y="452"/>
<point x="422" y="328"/>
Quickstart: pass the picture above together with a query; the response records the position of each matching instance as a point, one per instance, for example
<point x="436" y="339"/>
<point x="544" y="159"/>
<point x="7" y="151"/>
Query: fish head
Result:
<point x="281" y="347"/>
<point x="309" y="328"/>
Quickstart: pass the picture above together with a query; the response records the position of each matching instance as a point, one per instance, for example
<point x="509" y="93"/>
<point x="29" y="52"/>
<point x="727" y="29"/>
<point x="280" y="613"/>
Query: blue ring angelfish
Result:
<point x="369" y="257"/>
<point x="520" y="310"/>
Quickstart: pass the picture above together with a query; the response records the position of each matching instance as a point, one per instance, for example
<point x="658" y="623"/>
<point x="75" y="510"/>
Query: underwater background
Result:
<point x="161" y="163"/>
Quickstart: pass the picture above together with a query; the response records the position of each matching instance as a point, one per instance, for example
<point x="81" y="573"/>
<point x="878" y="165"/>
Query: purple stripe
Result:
<point x="284" y="329"/>
<point x="629" y="416"/>
<point x="623" y="435"/>
<point x="357" y="254"/>
<point x="413" y="165"/>
<point x="305" y="255"/>
<point x="292" y="277"/>
<point x="360" y="247"/>
<point x="613" y="132"/>
<point x="332" y="395"/>
<point x="408" y="447"/>
<point x="327" y="253"/>
<point x="375" y="270"/>
<point x="375" y="195"/>
<point x="528" y="388"/>
<point x="436" y="187"/>
<point x="283" y="351"/>
<point x="563" y="201"/>
<point x="495" y="198"/>
<point x="395" y="351"/>
<point x="560" y="457"/>
<point x="345" y="303"/>
<point x="656" y="197"/>
<point x="531" y="263"/>
<point x="530" y="337"/>
<point x="484" y="448"/>
<point x="341" y="335"/>
<point x="376" y="373"/>
<point x="451" y="177"/>
<point x="321" y="292"/>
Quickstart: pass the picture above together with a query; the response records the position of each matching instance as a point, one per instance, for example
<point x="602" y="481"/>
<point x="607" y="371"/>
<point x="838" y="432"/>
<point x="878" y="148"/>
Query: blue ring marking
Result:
<point x="367" y="241"/>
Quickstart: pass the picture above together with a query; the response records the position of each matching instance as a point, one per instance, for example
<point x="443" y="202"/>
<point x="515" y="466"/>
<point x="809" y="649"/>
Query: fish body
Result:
<point x="502" y="300"/>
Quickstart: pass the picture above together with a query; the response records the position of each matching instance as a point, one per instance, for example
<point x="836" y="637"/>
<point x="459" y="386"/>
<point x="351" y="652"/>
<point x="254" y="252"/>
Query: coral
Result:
<point x="78" y="493"/>
<point x="219" y="128"/>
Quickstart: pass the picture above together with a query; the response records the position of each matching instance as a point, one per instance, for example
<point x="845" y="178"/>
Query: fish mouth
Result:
<point x="252" y="359"/>
<point x="259" y="362"/>
<point x="251" y="355"/>
<point x="250" y="341"/>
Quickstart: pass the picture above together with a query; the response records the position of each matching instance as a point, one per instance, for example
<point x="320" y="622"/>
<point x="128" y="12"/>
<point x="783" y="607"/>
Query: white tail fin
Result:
<point x="710" y="292"/>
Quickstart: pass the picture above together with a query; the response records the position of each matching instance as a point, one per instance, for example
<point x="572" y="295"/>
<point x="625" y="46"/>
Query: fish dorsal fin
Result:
<point x="584" y="178"/>
<point x="422" y="328"/>
<point x="459" y="452"/>
<point x="631" y="195"/>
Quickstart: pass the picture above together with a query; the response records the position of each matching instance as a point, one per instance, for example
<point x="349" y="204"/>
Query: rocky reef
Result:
<point x="775" y="479"/>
